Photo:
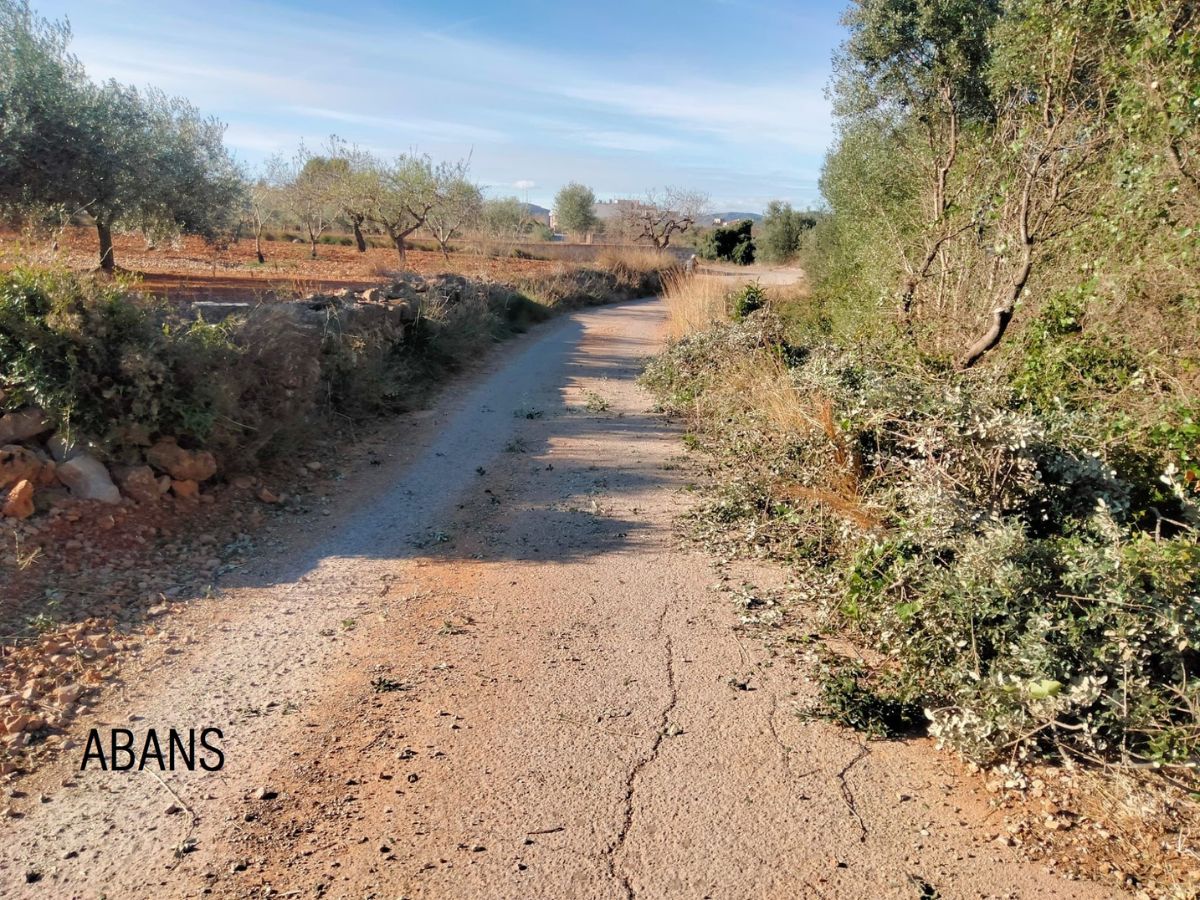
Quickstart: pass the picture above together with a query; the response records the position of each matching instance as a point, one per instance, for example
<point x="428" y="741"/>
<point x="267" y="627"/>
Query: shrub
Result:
<point x="118" y="370"/>
<point x="103" y="365"/>
<point x="731" y="243"/>
<point x="1029" y="587"/>
<point x="781" y="232"/>
<point x="623" y="276"/>
<point x="750" y="298"/>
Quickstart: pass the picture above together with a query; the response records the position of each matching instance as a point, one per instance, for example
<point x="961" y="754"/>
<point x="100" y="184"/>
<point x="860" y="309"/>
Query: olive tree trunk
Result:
<point x="104" y="231"/>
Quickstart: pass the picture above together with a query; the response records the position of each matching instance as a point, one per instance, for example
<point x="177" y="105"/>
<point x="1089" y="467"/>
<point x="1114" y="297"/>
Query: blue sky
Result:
<point x="724" y="96"/>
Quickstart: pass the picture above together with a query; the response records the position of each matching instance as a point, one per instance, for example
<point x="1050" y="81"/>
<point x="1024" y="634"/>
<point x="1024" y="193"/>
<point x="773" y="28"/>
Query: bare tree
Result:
<point x="264" y="203"/>
<point x="663" y="214"/>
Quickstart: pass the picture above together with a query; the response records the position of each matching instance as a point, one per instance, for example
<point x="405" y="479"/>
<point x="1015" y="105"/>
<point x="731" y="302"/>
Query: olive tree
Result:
<point x="1054" y="95"/>
<point x="138" y="159"/>
<point x="400" y="195"/>
<point x="459" y="207"/>
<point x="916" y="70"/>
<point x="354" y="172"/>
<point x="264" y="204"/>
<point x="308" y="188"/>
<point x="154" y="163"/>
<point x="573" y="209"/>
<point x="43" y="95"/>
<point x="781" y="231"/>
<point x="505" y="220"/>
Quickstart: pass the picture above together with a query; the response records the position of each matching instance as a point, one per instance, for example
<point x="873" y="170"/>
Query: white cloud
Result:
<point x="620" y="124"/>
<point x="796" y="117"/>
<point x="632" y="141"/>
<point x="415" y="127"/>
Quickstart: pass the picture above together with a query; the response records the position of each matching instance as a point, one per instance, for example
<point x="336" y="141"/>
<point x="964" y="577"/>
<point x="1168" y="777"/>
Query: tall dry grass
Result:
<point x="694" y="303"/>
<point x="636" y="259"/>
<point x="760" y="385"/>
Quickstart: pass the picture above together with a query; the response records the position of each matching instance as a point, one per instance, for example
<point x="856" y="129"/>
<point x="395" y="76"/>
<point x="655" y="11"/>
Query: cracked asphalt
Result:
<point x="498" y="671"/>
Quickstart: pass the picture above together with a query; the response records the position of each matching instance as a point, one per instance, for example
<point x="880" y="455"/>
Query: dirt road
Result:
<point x="495" y="671"/>
<point x="766" y="275"/>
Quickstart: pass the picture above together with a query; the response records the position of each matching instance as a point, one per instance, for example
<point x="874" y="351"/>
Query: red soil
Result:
<point x="192" y="270"/>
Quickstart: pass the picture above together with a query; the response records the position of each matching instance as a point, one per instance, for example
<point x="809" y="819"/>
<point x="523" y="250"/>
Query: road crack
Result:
<point x="649" y="757"/>
<point x="848" y="795"/>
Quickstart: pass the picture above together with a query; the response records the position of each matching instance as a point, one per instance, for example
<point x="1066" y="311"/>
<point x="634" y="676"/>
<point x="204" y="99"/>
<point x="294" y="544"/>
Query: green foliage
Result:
<point x="731" y="243"/>
<point x="506" y="219"/>
<point x="42" y="88"/>
<point x="781" y="232"/>
<point x="573" y="208"/>
<point x="459" y="207"/>
<point x="1064" y="365"/>
<point x="1031" y="576"/>
<point x="916" y="54"/>
<point x="748" y="299"/>
<point x="851" y="697"/>
<point x="101" y="364"/>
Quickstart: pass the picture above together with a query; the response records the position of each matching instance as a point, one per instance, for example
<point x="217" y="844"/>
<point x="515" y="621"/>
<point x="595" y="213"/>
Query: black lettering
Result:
<point x="98" y="753"/>
<point x="220" y="756"/>
<point x="188" y="753"/>
<point x="152" y="739"/>
<point x="126" y="747"/>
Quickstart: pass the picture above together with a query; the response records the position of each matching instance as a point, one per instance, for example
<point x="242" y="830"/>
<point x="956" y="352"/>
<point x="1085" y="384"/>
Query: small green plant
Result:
<point x="595" y="403"/>
<point x="750" y="298"/>
<point x="849" y="697"/>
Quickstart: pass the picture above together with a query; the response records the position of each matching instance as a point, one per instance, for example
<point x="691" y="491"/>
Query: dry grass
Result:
<point x="1136" y="826"/>
<point x="642" y="261"/>
<point x="761" y="384"/>
<point x="694" y="303"/>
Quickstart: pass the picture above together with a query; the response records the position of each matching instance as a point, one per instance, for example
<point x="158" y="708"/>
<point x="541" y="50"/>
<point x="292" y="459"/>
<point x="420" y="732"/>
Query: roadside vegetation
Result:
<point x="979" y="435"/>
<point x="114" y="370"/>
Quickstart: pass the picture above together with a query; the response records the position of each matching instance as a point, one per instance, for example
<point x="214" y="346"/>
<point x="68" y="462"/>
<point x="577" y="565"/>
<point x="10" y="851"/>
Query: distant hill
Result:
<point x="734" y="216"/>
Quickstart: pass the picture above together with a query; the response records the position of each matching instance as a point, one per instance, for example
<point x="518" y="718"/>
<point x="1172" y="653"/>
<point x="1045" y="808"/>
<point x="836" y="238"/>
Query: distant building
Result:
<point x="614" y="210"/>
